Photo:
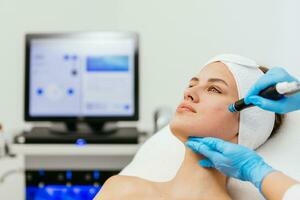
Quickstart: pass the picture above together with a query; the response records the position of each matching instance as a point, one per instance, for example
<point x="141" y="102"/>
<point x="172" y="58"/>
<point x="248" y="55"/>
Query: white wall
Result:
<point x="18" y="17"/>
<point x="177" y="37"/>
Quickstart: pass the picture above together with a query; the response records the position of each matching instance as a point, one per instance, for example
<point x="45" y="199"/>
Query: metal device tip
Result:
<point x="231" y="108"/>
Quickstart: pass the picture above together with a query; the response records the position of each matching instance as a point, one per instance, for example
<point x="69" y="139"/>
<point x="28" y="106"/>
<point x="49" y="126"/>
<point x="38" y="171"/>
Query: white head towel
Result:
<point x="256" y="124"/>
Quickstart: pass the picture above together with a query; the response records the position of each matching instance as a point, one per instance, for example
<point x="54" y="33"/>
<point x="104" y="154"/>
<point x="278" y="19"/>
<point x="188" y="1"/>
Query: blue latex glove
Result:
<point x="273" y="76"/>
<point x="231" y="159"/>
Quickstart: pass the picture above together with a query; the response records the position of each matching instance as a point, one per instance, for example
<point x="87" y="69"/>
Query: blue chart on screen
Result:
<point x="107" y="63"/>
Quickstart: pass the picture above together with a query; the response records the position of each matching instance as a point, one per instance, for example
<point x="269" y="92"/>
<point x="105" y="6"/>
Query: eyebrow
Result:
<point x="217" y="80"/>
<point x="194" y="79"/>
<point x="211" y="80"/>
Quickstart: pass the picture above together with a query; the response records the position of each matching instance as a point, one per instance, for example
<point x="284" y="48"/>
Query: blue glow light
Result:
<point x="231" y="108"/>
<point x="74" y="57"/>
<point x="70" y="91"/>
<point x="69" y="175"/>
<point x="39" y="91"/>
<point x="62" y="192"/>
<point x="96" y="175"/>
<point x="66" y="57"/>
<point x="126" y="106"/>
<point x="81" y="142"/>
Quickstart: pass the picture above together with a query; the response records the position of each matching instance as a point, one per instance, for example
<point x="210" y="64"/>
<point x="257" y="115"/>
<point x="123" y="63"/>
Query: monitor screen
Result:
<point x="81" y="75"/>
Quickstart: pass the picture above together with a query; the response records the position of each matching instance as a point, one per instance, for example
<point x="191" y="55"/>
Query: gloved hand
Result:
<point x="273" y="76"/>
<point x="231" y="159"/>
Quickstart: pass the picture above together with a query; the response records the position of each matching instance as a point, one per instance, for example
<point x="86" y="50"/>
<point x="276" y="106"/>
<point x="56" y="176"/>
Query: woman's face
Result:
<point x="203" y="111"/>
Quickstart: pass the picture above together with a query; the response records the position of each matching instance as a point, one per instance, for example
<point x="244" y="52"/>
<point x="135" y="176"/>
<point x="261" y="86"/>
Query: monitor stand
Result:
<point x="80" y="134"/>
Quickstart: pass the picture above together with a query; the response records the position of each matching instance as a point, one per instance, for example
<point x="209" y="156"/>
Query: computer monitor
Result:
<point x="81" y="77"/>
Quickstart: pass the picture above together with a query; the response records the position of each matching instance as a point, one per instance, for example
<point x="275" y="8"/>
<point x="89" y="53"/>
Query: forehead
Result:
<point x="217" y="70"/>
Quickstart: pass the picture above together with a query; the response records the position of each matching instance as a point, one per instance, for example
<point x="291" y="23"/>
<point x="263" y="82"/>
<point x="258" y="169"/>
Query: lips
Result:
<point x="186" y="107"/>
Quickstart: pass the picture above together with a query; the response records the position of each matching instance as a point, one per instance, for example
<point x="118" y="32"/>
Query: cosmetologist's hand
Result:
<point x="231" y="159"/>
<point x="273" y="76"/>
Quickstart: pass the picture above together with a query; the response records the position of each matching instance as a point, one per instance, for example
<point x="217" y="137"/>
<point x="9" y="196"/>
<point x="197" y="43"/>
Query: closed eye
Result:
<point x="214" y="90"/>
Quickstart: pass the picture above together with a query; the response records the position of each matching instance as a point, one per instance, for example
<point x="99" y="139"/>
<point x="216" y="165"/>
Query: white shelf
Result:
<point x="70" y="149"/>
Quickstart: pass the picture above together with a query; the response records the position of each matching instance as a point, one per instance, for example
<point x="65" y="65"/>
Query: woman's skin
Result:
<point x="276" y="184"/>
<point x="203" y="112"/>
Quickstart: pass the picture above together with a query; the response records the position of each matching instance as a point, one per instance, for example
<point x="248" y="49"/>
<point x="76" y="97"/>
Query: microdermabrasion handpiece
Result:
<point x="274" y="92"/>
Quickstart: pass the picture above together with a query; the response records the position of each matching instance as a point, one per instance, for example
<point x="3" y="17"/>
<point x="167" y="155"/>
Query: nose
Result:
<point x="191" y="95"/>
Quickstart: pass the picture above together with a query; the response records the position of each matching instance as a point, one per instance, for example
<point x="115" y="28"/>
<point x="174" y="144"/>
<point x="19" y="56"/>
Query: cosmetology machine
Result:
<point x="87" y="82"/>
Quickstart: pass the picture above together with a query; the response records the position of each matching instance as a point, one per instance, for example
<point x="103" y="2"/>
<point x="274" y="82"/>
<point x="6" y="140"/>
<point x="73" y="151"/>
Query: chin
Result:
<point x="180" y="127"/>
<point x="186" y="127"/>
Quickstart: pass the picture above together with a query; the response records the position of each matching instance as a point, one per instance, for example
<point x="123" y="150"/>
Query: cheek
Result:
<point x="211" y="120"/>
<point x="218" y="108"/>
<point x="217" y="121"/>
<point x="212" y="109"/>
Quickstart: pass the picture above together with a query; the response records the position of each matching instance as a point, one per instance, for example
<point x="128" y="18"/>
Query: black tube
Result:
<point x="269" y="93"/>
